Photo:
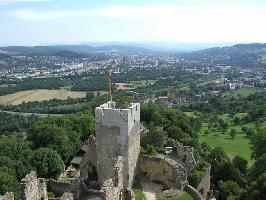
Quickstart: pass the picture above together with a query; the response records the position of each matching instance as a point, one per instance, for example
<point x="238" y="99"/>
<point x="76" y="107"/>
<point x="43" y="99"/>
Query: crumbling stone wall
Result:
<point x="129" y="194"/>
<point x="7" y="196"/>
<point x="74" y="186"/>
<point x="60" y="187"/>
<point x="89" y="161"/>
<point x="67" y="196"/>
<point x="33" y="188"/>
<point x="163" y="169"/>
<point x="186" y="155"/>
<point x="205" y="183"/>
<point x="112" y="189"/>
<point x="195" y="193"/>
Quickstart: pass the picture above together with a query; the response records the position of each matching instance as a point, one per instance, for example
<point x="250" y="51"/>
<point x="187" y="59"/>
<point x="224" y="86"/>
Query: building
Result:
<point x="117" y="134"/>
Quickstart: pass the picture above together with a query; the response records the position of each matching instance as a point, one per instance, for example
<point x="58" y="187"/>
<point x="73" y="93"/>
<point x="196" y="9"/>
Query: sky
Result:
<point x="38" y="22"/>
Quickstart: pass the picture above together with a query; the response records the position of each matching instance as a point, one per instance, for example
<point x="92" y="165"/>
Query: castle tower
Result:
<point x="117" y="134"/>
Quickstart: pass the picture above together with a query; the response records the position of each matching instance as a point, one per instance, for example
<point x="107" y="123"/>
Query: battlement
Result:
<point x="123" y="116"/>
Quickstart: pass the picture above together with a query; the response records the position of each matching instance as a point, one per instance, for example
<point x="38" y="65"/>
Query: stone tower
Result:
<point x="117" y="134"/>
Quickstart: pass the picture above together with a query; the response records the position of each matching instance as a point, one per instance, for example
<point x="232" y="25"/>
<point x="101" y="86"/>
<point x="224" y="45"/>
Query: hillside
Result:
<point x="77" y="50"/>
<point x="240" y="55"/>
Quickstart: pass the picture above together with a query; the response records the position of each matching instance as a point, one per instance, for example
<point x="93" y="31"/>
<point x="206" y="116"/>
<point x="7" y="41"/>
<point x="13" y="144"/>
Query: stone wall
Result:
<point x="163" y="169"/>
<point x="74" y="186"/>
<point x="107" y="151"/>
<point x="67" y="196"/>
<point x="186" y="155"/>
<point x="195" y="193"/>
<point x="7" y="196"/>
<point x="112" y="189"/>
<point x="129" y="194"/>
<point x="33" y="188"/>
<point x="59" y="187"/>
<point x="89" y="160"/>
<point x="132" y="156"/>
<point x="205" y="183"/>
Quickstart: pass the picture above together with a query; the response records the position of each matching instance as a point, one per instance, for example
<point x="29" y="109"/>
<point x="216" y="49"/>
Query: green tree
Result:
<point x="90" y="96"/>
<point x="258" y="141"/>
<point x="8" y="183"/>
<point x="240" y="164"/>
<point x="154" y="137"/>
<point x="47" y="162"/>
<point x="194" y="177"/>
<point x="232" y="133"/>
<point x="230" y="189"/>
<point x="259" y="166"/>
<point x="65" y="142"/>
<point x="19" y="152"/>
<point x="175" y="132"/>
<point x="261" y="186"/>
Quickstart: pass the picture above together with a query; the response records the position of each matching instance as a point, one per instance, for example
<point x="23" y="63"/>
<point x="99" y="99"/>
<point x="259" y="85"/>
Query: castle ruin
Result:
<point x="106" y="166"/>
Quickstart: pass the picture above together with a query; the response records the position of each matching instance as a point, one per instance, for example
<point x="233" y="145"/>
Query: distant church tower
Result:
<point x="117" y="134"/>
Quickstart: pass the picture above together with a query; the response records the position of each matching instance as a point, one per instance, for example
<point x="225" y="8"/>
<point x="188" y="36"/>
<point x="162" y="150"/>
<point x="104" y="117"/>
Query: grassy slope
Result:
<point x="242" y="92"/>
<point x="138" y="192"/>
<point x="7" y="85"/>
<point x="184" y="196"/>
<point x="3" y="62"/>
<point x="141" y="83"/>
<point x="239" y="146"/>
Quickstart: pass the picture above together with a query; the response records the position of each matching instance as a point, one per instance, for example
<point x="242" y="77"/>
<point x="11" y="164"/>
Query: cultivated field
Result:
<point x="242" y="92"/>
<point x="39" y="95"/>
<point x="124" y="86"/>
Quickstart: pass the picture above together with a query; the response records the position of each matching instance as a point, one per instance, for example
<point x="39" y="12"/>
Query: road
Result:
<point x="28" y="114"/>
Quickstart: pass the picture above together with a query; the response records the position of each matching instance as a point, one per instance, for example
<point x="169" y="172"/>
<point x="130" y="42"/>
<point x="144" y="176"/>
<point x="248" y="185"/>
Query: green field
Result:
<point x="3" y="62"/>
<point x="184" y="196"/>
<point x="6" y="85"/>
<point x="240" y="146"/>
<point x="138" y="192"/>
<point x="141" y="83"/>
<point x="242" y="92"/>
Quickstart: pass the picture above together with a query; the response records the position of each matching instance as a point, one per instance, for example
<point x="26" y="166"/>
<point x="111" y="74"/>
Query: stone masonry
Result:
<point x="164" y="170"/>
<point x="112" y="189"/>
<point x="117" y="134"/>
<point x="33" y="188"/>
<point x="7" y="196"/>
<point x="186" y="156"/>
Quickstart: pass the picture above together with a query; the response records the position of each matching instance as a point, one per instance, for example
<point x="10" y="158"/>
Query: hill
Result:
<point x="76" y="50"/>
<point x="240" y="55"/>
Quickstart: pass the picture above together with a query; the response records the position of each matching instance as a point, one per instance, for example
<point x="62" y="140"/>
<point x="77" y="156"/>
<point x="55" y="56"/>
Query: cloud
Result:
<point x="229" y="22"/>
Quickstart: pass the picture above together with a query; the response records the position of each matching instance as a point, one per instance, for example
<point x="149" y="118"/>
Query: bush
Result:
<point x="194" y="177"/>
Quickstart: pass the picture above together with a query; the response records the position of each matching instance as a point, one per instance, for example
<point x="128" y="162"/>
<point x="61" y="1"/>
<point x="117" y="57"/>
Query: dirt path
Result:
<point x="150" y="190"/>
